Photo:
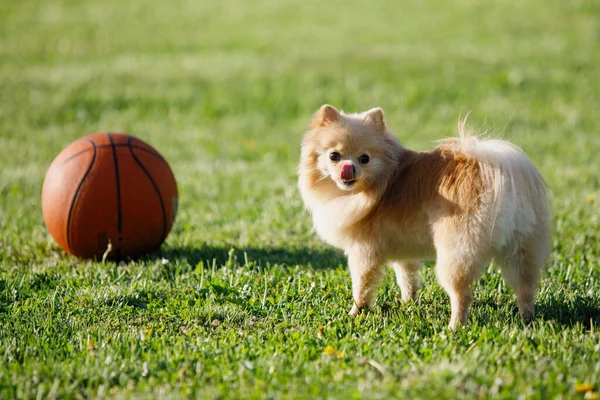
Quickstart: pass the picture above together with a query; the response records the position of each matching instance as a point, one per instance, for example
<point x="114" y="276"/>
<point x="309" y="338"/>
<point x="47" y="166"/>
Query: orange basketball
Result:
<point x="109" y="191"/>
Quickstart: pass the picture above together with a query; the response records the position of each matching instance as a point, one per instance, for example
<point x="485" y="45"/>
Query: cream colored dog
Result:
<point x="463" y="203"/>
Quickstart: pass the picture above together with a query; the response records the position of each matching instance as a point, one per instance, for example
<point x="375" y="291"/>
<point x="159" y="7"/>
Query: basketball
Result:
<point x="109" y="195"/>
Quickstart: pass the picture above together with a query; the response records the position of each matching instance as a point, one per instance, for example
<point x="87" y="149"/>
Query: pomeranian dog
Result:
<point x="464" y="203"/>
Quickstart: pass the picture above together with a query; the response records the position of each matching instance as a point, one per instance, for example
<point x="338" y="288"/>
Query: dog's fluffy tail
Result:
<point x="514" y="188"/>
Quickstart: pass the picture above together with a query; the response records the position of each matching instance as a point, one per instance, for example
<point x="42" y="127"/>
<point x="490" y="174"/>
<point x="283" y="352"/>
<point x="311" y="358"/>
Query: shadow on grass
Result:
<point x="569" y="312"/>
<point x="580" y="310"/>
<point x="318" y="259"/>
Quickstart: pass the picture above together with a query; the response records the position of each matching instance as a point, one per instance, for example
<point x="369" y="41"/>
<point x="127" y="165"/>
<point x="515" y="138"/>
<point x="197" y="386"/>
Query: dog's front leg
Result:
<point x="367" y="273"/>
<point x="407" y="276"/>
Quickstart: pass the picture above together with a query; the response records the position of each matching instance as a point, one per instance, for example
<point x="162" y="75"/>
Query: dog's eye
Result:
<point x="364" y="159"/>
<point x="334" y="156"/>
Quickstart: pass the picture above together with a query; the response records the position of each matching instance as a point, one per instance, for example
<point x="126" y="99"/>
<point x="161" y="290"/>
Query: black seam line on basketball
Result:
<point x="118" y="183"/>
<point x="76" y="197"/>
<point x="162" y="204"/>
<point x="103" y="146"/>
<point x="75" y="156"/>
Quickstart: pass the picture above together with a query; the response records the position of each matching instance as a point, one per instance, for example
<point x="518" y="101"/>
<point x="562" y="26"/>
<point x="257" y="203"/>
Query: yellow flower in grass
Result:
<point x="331" y="351"/>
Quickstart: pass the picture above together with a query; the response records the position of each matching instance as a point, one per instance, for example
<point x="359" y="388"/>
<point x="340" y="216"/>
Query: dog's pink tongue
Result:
<point x="347" y="173"/>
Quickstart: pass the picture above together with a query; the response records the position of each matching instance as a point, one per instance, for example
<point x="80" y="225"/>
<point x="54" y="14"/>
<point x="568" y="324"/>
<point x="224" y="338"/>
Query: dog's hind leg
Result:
<point x="459" y="262"/>
<point x="456" y="278"/>
<point x="522" y="270"/>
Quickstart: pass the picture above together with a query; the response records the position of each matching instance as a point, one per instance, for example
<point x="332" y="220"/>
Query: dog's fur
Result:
<point x="463" y="203"/>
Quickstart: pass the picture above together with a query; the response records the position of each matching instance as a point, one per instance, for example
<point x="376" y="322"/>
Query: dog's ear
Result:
<point x="375" y="115"/>
<point x="324" y="116"/>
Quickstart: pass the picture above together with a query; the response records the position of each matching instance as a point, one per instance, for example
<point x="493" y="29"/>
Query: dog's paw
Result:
<point x="412" y="297"/>
<point x="528" y="316"/>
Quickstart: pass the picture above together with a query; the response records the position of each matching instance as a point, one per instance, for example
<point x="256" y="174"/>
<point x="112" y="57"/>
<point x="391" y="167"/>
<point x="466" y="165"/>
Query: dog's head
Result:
<point x="354" y="152"/>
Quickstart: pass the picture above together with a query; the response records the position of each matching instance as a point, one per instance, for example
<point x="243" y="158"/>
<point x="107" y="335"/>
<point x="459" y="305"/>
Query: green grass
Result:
<point x="248" y="298"/>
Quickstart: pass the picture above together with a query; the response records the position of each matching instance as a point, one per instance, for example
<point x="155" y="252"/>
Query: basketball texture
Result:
<point x="109" y="188"/>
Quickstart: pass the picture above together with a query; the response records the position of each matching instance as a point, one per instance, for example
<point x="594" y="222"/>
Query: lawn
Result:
<point x="243" y="300"/>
